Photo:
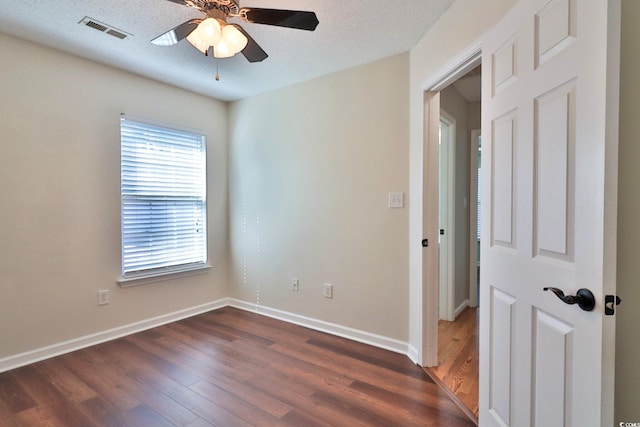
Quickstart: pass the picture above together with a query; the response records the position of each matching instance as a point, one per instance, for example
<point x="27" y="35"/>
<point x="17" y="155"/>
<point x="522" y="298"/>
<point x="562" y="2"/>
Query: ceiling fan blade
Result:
<point x="172" y="37"/>
<point x="253" y="52"/>
<point x="281" y="18"/>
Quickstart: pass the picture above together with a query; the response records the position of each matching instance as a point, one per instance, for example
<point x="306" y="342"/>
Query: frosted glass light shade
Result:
<point x="222" y="50"/>
<point x="231" y="42"/>
<point x="234" y="37"/>
<point x="206" y="34"/>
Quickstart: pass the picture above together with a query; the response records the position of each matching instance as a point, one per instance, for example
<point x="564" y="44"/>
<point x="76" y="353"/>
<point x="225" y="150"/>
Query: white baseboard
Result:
<point x="380" y="341"/>
<point x="26" y="358"/>
<point x="412" y="354"/>
<point x="460" y="308"/>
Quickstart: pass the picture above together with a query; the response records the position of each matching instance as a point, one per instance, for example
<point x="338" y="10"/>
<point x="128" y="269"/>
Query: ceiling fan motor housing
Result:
<point x="214" y="7"/>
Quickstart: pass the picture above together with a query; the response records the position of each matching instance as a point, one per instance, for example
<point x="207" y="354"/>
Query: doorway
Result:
<point x="459" y="146"/>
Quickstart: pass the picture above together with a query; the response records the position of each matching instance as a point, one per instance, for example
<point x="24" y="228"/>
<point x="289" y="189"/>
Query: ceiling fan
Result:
<point x="229" y="39"/>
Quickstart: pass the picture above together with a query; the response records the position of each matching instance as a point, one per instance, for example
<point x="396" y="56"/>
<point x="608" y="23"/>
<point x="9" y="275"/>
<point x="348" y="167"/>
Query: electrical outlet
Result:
<point x="328" y="290"/>
<point x="103" y="297"/>
<point x="295" y="285"/>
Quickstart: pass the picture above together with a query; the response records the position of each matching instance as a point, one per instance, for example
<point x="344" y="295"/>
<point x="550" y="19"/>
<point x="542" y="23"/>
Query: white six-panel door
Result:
<point x="550" y="104"/>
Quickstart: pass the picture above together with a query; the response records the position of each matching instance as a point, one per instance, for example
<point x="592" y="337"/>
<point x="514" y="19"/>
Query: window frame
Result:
<point x="153" y="274"/>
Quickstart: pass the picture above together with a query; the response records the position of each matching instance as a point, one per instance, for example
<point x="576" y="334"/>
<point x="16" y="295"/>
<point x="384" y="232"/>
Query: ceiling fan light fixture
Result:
<point x="225" y="39"/>
<point x="206" y="34"/>
<point x="235" y="39"/>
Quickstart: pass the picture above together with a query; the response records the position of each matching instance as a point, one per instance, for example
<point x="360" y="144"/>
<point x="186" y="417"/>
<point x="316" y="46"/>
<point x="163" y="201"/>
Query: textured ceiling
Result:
<point x="350" y="33"/>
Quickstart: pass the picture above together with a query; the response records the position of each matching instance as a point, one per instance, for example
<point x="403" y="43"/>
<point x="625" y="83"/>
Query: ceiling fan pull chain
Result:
<point x="217" y="74"/>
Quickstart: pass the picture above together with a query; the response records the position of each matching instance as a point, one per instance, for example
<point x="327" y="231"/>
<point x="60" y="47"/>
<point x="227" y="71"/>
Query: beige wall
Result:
<point x="59" y="192"/>
<point x="311" y="167"/>
<point x="475" y="112"/>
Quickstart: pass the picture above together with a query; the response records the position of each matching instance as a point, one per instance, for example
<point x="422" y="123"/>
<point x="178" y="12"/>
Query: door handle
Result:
<point x="584" y="298"/>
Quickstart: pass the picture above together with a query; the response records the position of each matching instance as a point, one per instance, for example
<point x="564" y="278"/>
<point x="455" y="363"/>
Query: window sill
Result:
<point x="126" y="282"/>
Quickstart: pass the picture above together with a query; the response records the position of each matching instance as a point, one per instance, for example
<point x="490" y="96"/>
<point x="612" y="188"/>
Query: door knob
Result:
<point x="584" y="298"/>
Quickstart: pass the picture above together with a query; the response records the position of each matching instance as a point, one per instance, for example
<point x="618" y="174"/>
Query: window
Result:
<point x="163" y="193"/>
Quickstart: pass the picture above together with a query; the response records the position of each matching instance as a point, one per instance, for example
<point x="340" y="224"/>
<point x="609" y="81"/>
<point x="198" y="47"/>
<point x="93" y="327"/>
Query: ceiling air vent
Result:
<point x="95" y="25"/>
<point x="117" y="34"/>
<point x="101" y="26"/>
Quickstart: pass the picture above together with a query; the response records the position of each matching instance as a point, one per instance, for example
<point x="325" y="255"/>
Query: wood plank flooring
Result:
<point x="226" y="368"/>
<point x="458" y="367"/>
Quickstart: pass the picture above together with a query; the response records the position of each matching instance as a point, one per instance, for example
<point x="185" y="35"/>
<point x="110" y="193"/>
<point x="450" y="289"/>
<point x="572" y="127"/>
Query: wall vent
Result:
<point x="101" y="26"/>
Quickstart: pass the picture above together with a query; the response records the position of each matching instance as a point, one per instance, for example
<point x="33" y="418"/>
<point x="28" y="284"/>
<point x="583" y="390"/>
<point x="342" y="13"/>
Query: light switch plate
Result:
<point x="396" y="200"/>
<point x="328" y="290"/>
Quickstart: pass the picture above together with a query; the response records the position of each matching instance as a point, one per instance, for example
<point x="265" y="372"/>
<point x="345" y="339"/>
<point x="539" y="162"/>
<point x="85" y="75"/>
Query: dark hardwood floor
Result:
<point x="226" y="368"/>
<point x="458" y="368"/>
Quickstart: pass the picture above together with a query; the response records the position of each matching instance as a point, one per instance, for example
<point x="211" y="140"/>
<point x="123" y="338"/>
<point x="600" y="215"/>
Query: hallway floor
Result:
<point x="458" y="357"/>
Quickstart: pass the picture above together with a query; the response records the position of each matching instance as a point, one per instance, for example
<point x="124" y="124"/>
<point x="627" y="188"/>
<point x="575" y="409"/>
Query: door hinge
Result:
<point x="425" y="243"/>
<point x="610" y="302"/>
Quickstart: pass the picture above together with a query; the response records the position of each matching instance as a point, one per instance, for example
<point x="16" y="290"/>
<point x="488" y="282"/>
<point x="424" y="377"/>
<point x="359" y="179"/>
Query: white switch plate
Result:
<point x="295" y="285"/>
<point x="103" y="297"/>
<point x="328" y="290"/>
<point x="396" y="200"/>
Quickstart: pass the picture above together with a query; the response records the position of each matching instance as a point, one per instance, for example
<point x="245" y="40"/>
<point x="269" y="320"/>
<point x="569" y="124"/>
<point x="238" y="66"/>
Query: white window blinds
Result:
<point x="163" y="192"/>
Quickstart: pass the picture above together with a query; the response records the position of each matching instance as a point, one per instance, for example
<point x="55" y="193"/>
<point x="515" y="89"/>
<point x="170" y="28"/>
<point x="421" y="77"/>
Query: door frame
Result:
<point x="446" y="299"/>
<point x="461" y="65"/>
<point x="473" y="217"/>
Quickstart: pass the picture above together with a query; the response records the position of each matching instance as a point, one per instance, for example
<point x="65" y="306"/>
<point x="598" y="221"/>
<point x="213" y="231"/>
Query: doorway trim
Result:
<point x="446" y="298"/>
<point x="458" y="67"/>
<point x="473" y="218"/>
